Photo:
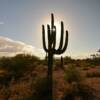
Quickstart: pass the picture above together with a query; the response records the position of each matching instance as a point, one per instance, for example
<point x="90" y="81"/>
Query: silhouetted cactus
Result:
<point x="51" y="47"/>
<point x="62" y="63"/>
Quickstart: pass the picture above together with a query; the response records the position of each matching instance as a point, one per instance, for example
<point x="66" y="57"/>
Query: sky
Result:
<point x="21" y="21"/>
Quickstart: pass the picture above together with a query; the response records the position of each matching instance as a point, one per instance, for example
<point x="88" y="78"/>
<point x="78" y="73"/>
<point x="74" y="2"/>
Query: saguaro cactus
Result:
<point x="51" y="50"/>
<point x="62" y="63"/>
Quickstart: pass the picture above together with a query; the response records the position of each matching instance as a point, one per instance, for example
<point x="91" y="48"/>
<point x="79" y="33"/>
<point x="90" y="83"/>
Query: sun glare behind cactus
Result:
<point x="57" y="23"/>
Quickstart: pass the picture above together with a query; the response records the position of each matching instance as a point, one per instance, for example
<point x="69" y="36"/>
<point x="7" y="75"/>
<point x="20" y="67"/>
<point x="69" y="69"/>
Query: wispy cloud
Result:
<point x="9" y="47"/>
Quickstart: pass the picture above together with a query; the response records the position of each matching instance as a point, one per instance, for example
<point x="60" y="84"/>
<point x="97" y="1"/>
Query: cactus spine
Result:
<point x="51" y="47"/>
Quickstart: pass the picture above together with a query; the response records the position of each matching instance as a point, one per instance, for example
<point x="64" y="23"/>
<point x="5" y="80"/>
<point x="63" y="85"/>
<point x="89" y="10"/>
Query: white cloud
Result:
<point x="9" y="47"/>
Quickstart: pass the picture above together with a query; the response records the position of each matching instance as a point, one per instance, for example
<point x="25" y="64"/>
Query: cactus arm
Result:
<point x="54" y="38"/>
<point x="52" y="29"/>
<point x="66" y="42"/>
<point x="48" y="30"/>
<point x="43" y="38"/>
<point x="65" y="46"/>
<point x="62" y="35"/>
<point x="49" y="37"/>
<point x="52" y="21"/>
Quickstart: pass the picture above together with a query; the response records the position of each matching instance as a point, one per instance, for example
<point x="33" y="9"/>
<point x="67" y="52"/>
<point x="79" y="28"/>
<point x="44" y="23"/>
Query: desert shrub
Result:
<point x="72" y="74"/>
<point x="82" y="63"/>
<point x="4" y="93"/>
<point x="22" y="63"/>
<point x="44" y="62"/>
<point x="93" y="74"/>
<point x="86" y="92"/>
<point x="95" y="61"/>
<point x="5" y="79"/>
<point x="41" y="90"/>
<point x="57" y="63"/>
<point x="79" y="92"/>
<point x="85" y="68"/>
<point x="68" y="60"/>
<point x="5" y="63"/>
<point x="19" y="64"/>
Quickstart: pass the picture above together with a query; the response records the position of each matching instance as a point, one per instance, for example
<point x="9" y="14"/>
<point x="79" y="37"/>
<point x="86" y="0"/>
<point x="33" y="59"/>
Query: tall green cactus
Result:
<point x="51" y="50"/>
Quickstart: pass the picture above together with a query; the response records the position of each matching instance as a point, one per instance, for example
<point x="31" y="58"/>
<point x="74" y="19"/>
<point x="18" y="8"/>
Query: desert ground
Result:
<point x="23" y="77"/>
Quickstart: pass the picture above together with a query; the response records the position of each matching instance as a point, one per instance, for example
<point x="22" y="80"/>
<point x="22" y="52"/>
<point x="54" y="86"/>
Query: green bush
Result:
<point x="18" y="64"/>
<point x="79" y="92"/>
<point x="72" y="74"/>
<point x="5" y="63"/>
<point x="41" y="90"/>
<point x="68" y="60"/>
<point x="93" y="74"/>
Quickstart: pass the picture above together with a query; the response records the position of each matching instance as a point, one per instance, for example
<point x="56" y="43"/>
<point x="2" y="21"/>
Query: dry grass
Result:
<point x="23" y="88"/>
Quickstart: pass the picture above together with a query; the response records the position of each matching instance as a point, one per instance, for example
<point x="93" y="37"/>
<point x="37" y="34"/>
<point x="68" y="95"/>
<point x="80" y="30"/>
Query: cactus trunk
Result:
<point x="50" y="75"/>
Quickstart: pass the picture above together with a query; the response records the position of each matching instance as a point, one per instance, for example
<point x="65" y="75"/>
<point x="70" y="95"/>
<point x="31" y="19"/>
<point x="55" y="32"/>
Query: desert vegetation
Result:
<point x="23" y="77"/>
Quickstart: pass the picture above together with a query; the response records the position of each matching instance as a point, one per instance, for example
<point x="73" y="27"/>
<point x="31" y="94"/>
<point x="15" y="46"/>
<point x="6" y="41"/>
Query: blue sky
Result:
<point x="21" y="20"/>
